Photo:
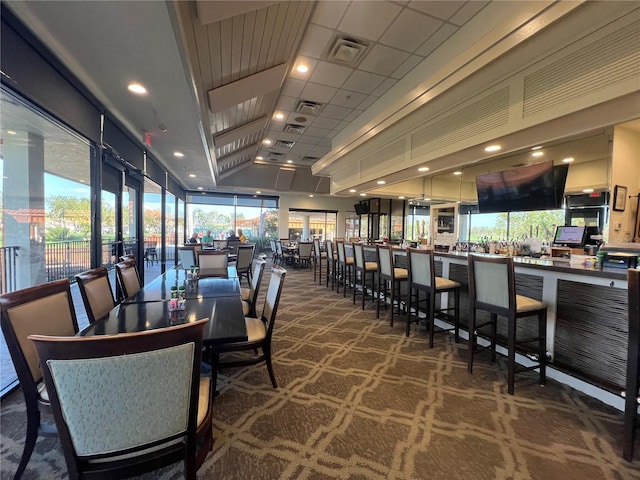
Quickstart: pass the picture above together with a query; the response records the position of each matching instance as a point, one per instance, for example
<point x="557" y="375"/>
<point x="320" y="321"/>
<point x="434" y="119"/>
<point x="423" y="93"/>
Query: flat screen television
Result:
<point x="361" y="208"/>
<point x="532" y="187"/>
<point x="569" y="236"/>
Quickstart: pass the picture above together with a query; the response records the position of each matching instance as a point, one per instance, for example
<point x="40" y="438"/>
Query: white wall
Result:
<point x="625" y="172"/>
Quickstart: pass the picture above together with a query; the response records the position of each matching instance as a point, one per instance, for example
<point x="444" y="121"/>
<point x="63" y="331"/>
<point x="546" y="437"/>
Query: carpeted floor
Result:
<point x="359" y="400"/>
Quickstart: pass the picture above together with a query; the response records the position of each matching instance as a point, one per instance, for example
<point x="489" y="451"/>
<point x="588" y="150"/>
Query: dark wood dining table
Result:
<point x="216" y="298"/>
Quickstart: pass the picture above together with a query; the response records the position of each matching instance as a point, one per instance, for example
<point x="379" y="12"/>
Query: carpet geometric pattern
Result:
<point x="357" y="399"/>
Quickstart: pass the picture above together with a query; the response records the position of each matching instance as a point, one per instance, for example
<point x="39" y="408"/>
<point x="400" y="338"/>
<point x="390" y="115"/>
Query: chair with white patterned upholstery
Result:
<point x="127" y="404"/>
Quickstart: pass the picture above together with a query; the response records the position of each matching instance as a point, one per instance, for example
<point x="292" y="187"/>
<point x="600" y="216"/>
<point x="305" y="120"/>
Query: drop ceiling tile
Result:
<point x="318" y="93"/>
<point x="363" y="82"/>
<point x="467" y="12"/>
<point x="286" y="103"/>
<point x="334" y="111"/>
<point x="353" y="115"/>
<point x="369" y="19"/>
<point x="316" y="132"/>
<point x="367" y="102"/>
<point x="347" y="99"/>
<point x="437" y="39"/>
<point x="384" y="86"/>
<point x="328" y="14"/>
<point x="299" y="119"/>
<point x="330" y="74"/>
<point x="342" y="125"/>
<point x="315" y="41"/>
<point x="410" y="30"/>
<point x="382" y="60"/>
<point x="438" y="9"/>
<point x="322" y="122"/>
<point x="293" y="87"/>
<point x="301" y="60"/>
<point x="408" y="65"/>
<point x="331" y="134"/>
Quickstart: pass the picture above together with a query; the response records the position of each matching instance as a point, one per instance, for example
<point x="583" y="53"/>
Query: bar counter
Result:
<point x="587" y="329"/>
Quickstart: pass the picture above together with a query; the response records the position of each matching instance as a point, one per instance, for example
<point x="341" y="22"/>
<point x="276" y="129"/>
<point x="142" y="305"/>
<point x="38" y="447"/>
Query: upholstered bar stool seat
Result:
<point x="492" y="289"/>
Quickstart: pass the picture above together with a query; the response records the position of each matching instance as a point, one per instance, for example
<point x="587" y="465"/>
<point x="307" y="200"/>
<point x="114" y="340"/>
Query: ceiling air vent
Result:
<point x="308" y="108"/>
<point x="309" y="160"/>
<point x="276" y="156"/>
<point x="346" y="50"/>
<point x="284" y="144"/>
<point x="293" y="128"/>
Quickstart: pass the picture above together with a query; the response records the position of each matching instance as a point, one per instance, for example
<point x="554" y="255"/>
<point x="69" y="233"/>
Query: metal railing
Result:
<point x="66" y="259"/>
<point x="8" y="276"/>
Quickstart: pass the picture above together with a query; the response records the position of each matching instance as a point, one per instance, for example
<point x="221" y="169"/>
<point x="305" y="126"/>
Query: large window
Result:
<point x="45" y="203"/>
<point x="307" y="225"/>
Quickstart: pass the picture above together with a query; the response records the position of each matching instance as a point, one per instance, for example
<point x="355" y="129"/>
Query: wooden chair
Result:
<point x="319" y="258"/>
<point x="363" y="268"/>
<point x="492" y="288"/>
<point x="212" y="259"/>
<point x="633" y="365"/>
<point x="46" y="309"/>
<point x="131" y="404"/>
<point x="390" y="279"/>
<point x="304" y="257"/>
<point x="187" y="257"/>
<point x="422" y="278"/>
<point x="259" y="331"/>
<point x="284" y="257"/>
<point x="332" y="262"/>
<point x="344" y="269"/>
<point x="232" y="246"/>
<point x="244" y="262"/>
<point x="95" y="289"/>
<point x="250" y="295"/>
<point x="128" y="277"/>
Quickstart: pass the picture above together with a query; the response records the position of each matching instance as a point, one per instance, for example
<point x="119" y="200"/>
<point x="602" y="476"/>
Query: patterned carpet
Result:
<point x="359" y="400"/>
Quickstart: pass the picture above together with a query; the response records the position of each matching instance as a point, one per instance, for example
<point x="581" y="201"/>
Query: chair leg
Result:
<point x="355" y="283"/>
<point x="392" y="299"/>
<point x="33" y="422"/>
<point x="542" y="346"/>
<point x="472" y="340"/>
<point x="266" y="350"/>
<point x="456" y="314"/>
<point x="432" y="317"/>
<point x="494" y="328"/>
<point x="409" y="309"/>
<point x="511" y="354"/>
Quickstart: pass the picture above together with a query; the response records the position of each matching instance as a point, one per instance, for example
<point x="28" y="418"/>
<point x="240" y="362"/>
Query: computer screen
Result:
<point x="569" y="235"/>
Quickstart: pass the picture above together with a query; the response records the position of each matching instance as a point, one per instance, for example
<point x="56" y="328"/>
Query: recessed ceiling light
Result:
<point x="427" y="199"/>
<point x="258" y="192"/>
<point x="492" y="148"/>
<point x="352" y="190"/>
<point x="136" y="88"/>
<point x="537" y="154"/>
<point x="203" y="193"/>
<point x="423" y="169"/>
<point x="457" y="172"/>
<point x="587" y="190"/>
<point x="381" y="182"/>
<point x="266" y="141"/>
<point x="178" y="154"/>
<point x="279" y="116"/>
<point x="363" y="194"/>
<point x="537" y="147"/>
<point x="289" y="161"/>
<point x="401" y="197"/>
<point x="192" y="175"/>
<point x="302" y="68"/>
<point x="11" y="132"/>
<point x="567" y="160"/>
<point x="199" y="188"/>
<point x="259" y="157"/>
<point x="310" y="195"/>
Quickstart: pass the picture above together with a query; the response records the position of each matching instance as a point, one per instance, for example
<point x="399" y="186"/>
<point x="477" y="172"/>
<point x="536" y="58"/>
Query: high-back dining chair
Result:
<point x="233" y="245"/>
<point x="250" y="295"/>
<point x="344" y="269"/>
<point x="332" y="262"/>
<point x="304" y="257"/>
<point x="390" y="279"/>
<point x="46" y="309"/>
<point x="212" y="260"/>
<point x="363" y="269"/>
<point x="95" y="289"/>
<point x="125" y="404"/>
<point x="259" y="331"/>
<point x="187" y="257"/>
<point x="318" y="258"/>
<point x="244" y="261"/>
<point x="492" y="288"/>
<point x="422" y="278"/>
<point x="128" y="277"/>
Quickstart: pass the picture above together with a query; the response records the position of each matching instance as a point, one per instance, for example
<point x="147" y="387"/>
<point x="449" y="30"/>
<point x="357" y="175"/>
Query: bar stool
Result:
<point x="422" y="278"/>
<point x="332" y="260"/>
<point x="363" y="267"/>
<point x="388" y="274"/>
<point x="492" y="288"/>
<point x="344" y="269"/>
<point x="319" y="257"/>
<point x="633" y="365"/>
